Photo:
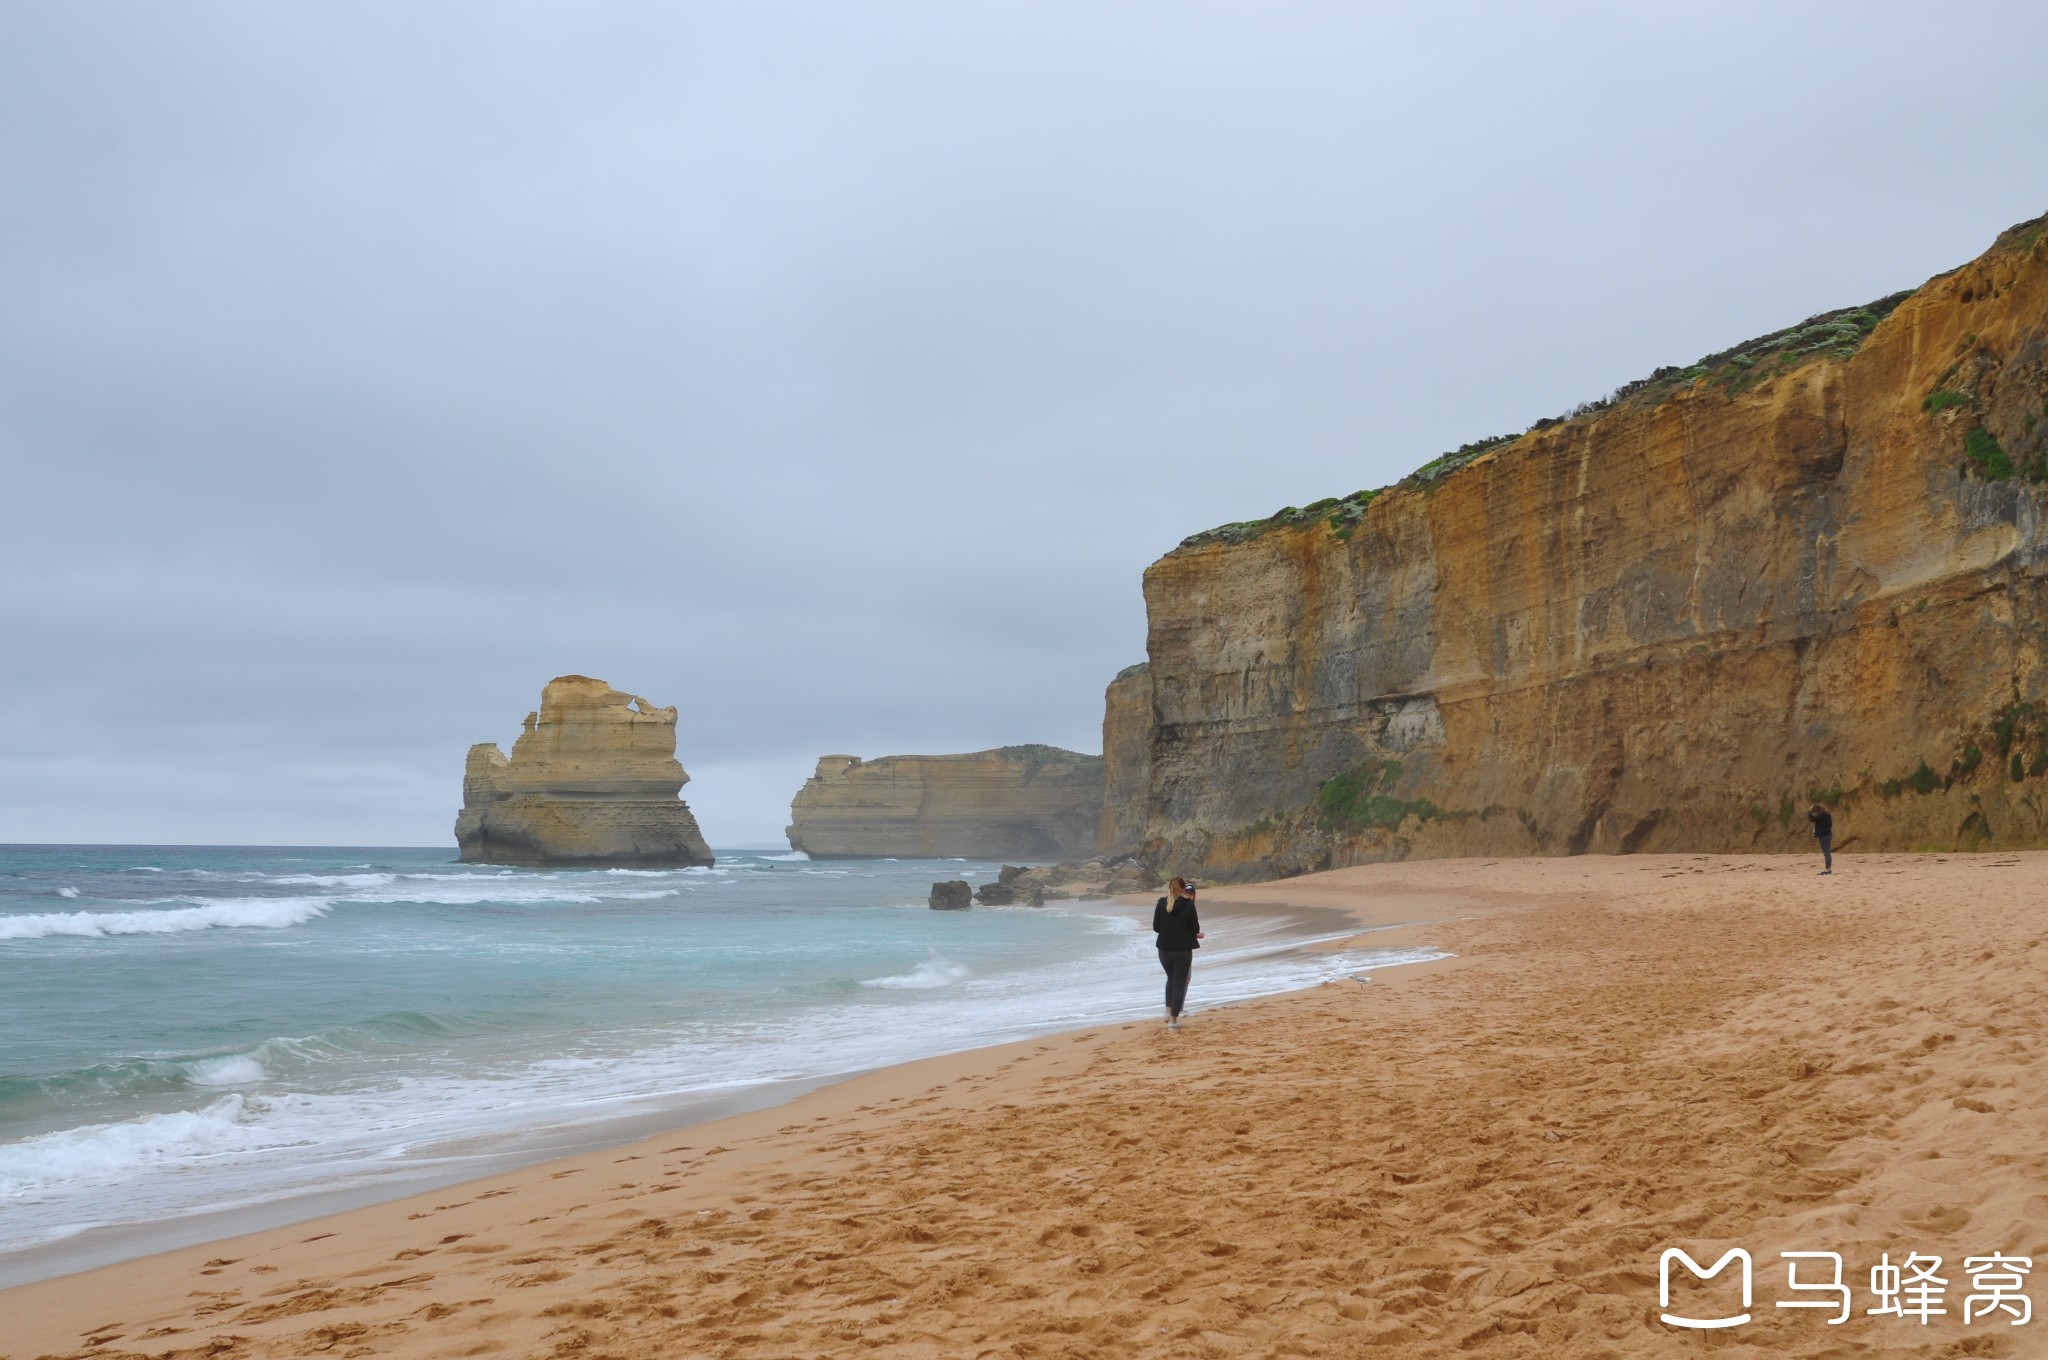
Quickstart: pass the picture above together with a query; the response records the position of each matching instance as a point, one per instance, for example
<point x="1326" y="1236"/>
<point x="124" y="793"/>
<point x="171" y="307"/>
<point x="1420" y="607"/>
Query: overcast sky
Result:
<point x="831" y="371"/>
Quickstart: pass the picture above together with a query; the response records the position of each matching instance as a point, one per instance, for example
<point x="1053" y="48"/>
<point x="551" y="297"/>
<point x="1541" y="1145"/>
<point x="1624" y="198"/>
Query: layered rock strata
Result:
<point x="1812" y="569"/>
<point x="1126" y="754"/>
<point x="1017" y="801"/>
<point x="592" y="782"/>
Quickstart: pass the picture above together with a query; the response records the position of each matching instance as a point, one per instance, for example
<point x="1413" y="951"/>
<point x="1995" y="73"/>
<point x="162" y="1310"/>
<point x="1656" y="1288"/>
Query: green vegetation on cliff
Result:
<point x="1053" y="762"/>
<point x="1358" y="799"/>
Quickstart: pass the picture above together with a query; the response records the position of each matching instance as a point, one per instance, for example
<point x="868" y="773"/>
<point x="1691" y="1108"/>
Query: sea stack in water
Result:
<point x="592" y="783"/>
<point x="1021" y="802"/>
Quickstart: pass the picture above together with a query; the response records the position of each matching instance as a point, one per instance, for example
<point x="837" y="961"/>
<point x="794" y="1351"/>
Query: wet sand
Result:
<point x="1481" y="1156"/>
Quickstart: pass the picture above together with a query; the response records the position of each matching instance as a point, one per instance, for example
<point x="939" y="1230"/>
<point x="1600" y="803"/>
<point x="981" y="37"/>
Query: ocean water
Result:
<point x="186" y="1030"/>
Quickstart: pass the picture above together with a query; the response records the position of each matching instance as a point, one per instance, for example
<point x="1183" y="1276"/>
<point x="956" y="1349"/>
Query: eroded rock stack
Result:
<point x="1036" y="802"/>
<point x="1812" y="568"/>
<point x="593" y="781"/>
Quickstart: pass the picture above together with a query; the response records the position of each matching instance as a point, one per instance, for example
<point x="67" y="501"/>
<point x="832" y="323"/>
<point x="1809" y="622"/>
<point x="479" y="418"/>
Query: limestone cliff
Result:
<point x="592" y="782"/>
<point x="1813" y="568"/>
<point x="1025" y="802"/>
<point x="1126" y="755"/>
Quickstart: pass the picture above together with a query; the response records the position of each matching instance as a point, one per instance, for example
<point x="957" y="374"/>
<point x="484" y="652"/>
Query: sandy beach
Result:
<point x="1482" y="1156"/>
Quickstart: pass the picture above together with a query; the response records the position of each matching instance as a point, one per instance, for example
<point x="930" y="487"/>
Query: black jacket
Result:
<point x="1823" y="824"/>
<point x="1177" y="928"/>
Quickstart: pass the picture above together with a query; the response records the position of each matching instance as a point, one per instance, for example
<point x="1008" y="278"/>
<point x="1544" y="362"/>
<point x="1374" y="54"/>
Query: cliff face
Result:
<point x="1811" y="571"/>
<point x="592" y="782"/>
<point x="1127" y="759"/>
<point x="1023" y="802"/>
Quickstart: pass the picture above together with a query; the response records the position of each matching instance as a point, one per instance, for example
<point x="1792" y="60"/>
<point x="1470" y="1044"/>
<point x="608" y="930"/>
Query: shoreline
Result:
<point x="114" y="1244"/>
<point x="1482" y="1155"/>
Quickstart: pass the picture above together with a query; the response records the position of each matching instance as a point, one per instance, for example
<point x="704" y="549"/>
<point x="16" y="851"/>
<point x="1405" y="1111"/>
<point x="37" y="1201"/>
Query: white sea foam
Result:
<point x="935" y="971"/>
<point x="793" y="857"/>
<point x="507" y="894"/>
<point x="237" y="1069"/>
<point x="273" y="913"/>
<point x="68" y="894"/>
<point x="100" y="1152"/>
<point x="334" y="880"/>
<point x="367" y="890"/>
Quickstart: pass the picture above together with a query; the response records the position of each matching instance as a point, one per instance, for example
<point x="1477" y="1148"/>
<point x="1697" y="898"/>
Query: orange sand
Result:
<point x="1483" y="1157"/>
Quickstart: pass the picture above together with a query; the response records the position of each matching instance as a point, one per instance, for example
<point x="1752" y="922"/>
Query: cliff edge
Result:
<point x="593" y="782"/>
<point x="1020" y="802"/>
<point x="1812" y="568"/>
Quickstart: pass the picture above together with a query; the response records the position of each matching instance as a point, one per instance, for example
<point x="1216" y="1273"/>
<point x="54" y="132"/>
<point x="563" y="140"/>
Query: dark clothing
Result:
<point x="1178" y="927"/>
<point x="1178" y="963"/>
<point x="1824" y="832"/>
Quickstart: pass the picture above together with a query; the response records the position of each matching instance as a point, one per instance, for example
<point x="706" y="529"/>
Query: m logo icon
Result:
<point x="1707" y="1273"/>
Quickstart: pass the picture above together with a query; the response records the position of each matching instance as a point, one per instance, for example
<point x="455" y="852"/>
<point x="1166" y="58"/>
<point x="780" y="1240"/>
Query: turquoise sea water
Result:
<point x="196" y="1028"/>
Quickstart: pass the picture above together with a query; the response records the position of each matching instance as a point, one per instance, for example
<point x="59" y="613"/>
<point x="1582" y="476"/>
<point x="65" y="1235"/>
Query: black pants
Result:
<point x="1178" y="963"/>
<point x="1827" y="849"/>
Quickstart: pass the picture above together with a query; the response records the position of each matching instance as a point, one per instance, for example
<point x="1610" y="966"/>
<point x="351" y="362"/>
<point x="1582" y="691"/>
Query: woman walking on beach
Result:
<point x="1180" y="935"/>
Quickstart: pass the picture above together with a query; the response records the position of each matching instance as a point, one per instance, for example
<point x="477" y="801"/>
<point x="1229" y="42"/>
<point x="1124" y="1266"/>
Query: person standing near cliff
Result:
<point x="1180" y="935"/>
<point x="1824" y="832"/>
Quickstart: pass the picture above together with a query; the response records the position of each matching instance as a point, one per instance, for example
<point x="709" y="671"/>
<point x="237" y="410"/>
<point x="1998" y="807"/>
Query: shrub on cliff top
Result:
<point x="1053" y="762"/>
<point x="1342" y="515"/>
<point x="2022" y="235"/>
<point x="1444" y="464"/>
<point x="1345" y="518"/>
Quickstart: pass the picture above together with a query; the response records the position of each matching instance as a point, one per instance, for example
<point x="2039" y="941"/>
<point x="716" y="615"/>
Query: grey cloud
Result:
<point x="830" y="371"/>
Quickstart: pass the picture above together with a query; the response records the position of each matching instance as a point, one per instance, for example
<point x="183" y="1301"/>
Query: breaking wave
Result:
<point x="274" y="913"/>
<point x="97" y="1152"/>
<point x="933" y="972"/>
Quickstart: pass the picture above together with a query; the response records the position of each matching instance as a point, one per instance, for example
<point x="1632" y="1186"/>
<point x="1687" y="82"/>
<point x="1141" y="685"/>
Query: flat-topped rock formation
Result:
<point x="1035" y="802"/>
<point x="593" y="782"/>
<point x="1810" y="568"/>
